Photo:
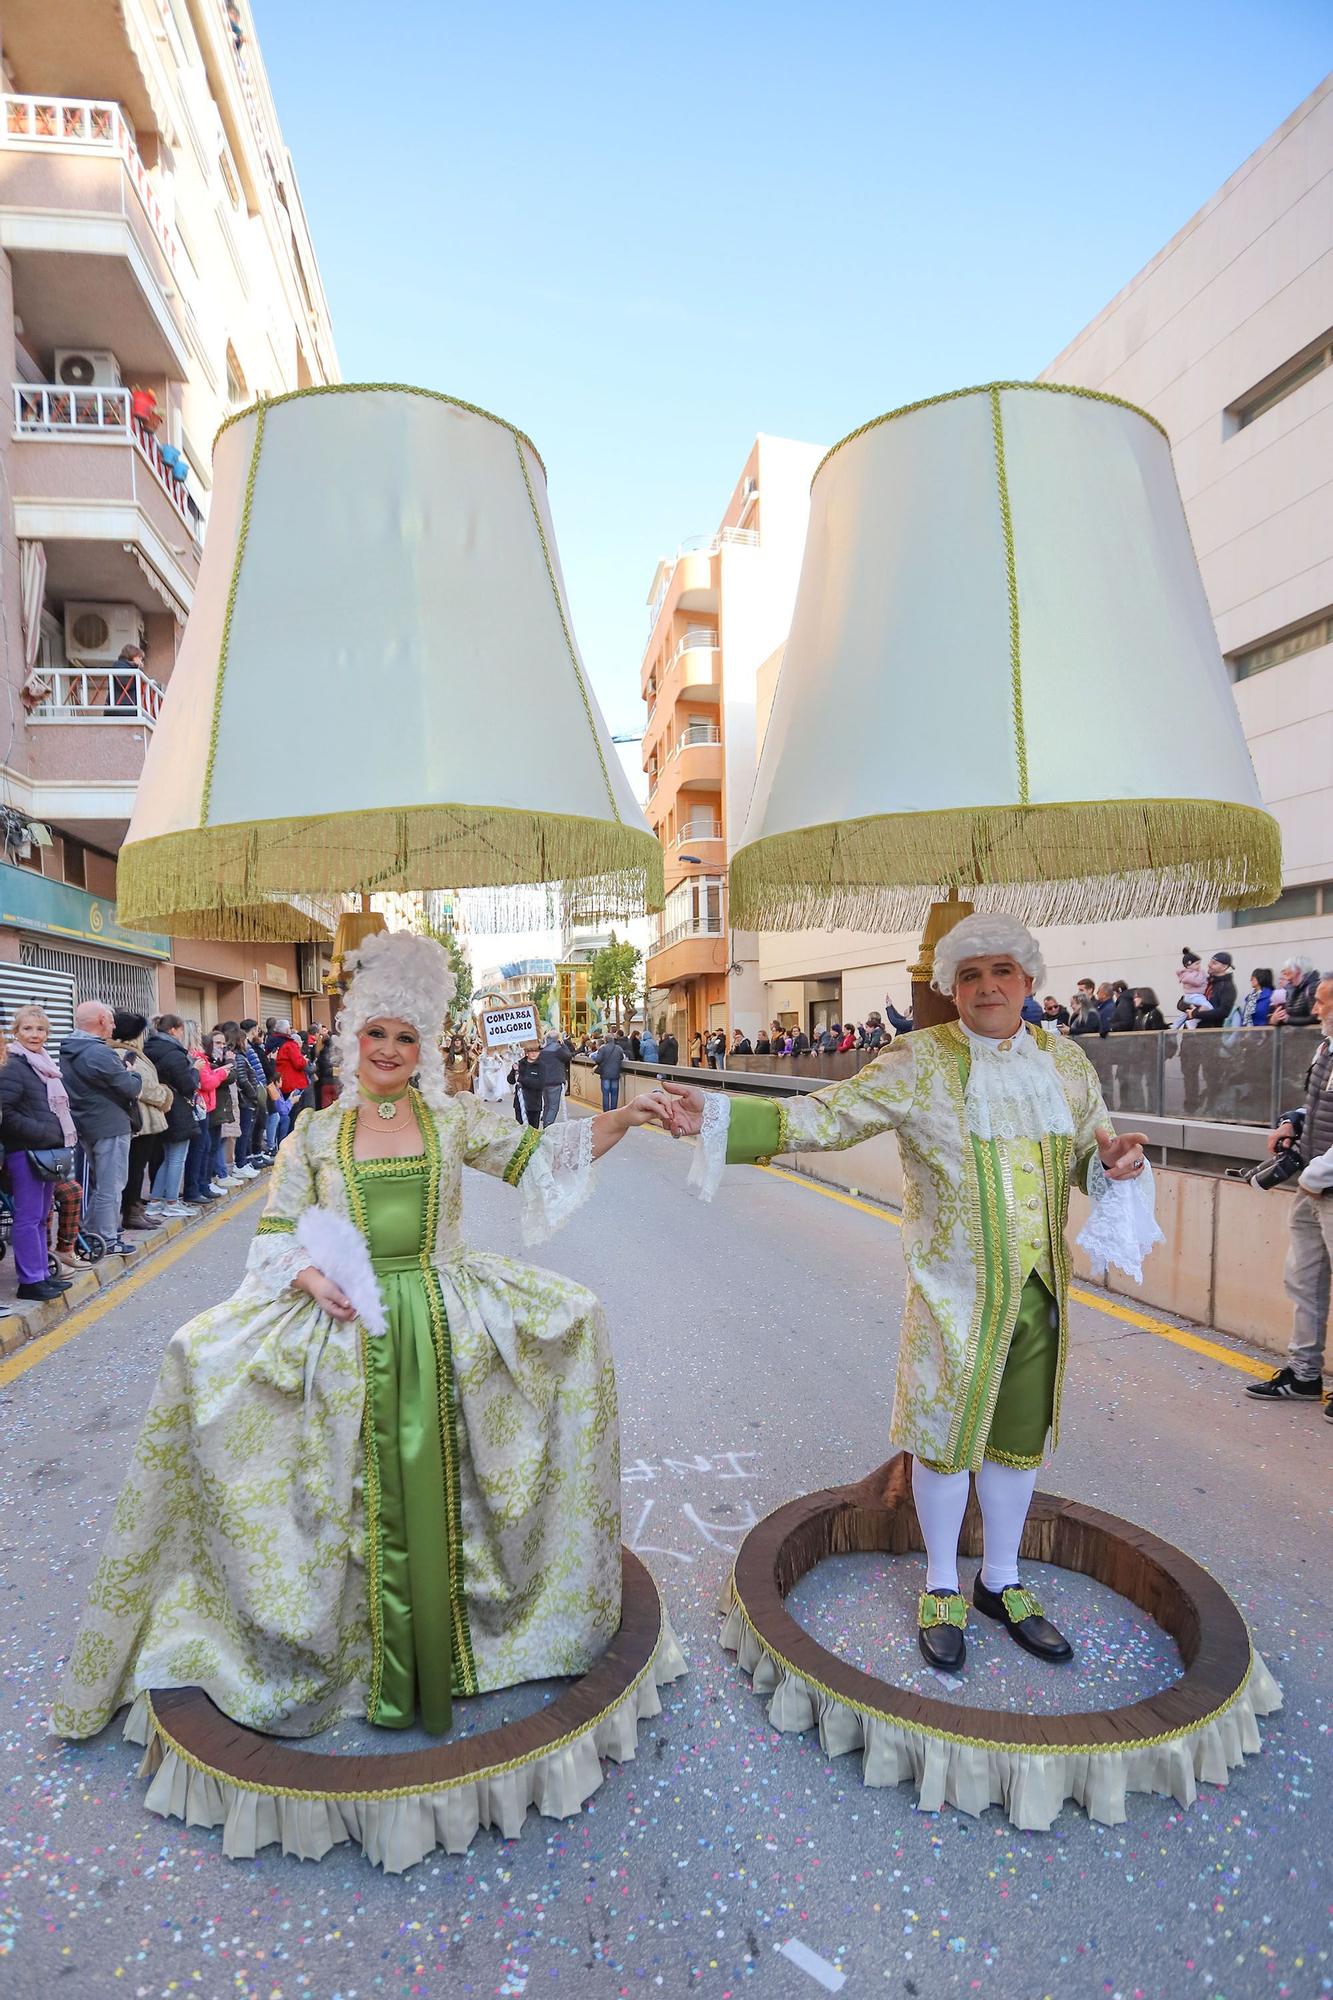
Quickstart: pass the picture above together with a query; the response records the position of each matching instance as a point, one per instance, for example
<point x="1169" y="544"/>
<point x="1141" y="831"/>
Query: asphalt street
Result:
<point x="755" y="1345"/>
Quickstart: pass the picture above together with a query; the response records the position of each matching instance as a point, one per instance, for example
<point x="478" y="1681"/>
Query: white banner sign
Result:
<point x="502" y="1026"/>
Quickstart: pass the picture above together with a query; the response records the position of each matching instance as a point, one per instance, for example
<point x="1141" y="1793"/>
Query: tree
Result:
<point x="460" y="965"/>
<point x="614" y="974"/>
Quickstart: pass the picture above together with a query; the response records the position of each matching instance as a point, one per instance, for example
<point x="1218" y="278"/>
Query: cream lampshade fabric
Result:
<point x="1001" y="678"/>
<point x="379" y="686"/>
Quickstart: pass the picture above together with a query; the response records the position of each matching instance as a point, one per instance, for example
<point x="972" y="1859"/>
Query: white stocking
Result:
<point x="941" y="1502"/>
<point x="1005" y="1494"/>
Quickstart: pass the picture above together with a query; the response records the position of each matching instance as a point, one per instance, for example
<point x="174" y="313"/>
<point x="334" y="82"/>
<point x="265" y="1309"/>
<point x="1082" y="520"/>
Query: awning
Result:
<point x="164" y="591"/>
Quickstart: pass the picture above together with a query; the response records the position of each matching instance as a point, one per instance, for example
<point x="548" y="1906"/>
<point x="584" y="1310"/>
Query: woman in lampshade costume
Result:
<point x="386" y="1471"/>
<point x="995" y="1120"/>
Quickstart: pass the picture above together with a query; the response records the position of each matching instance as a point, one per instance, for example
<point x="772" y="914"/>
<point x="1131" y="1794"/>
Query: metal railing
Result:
<point x="700" y="545"/>
<point x="694" y="734"/>
<point x="713" y="831"/>
<point x="697" y="927"/>
<point x="49" y="410"/>
<point x="1224" y="1076"/>
<point x="87" y="125"/>
<point x="99" y="694"/>
<point x="696" y="640"/>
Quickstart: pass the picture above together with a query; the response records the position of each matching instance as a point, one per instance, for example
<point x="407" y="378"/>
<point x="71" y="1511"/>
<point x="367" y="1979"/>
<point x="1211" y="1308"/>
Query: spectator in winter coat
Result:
<point x="1121" y="1020"/>
<point x="1220" y="992"/>
<point x="527" y="1081"/>
<point x="1300" y="981"/>
<point x="553" y="1072"/>
<point x="154" y="1103"/>
<point x="1053" y="1015"/>
<point x="165" y="1049"/>
<point x="36" y="1117"/>
<point x="648" y="1046"/>
<point x="293" y="1070"/>
<point x="1257" y="1004"/>
<point x="1148" y="1016"/>
<point x="101" y="1093"/>
<point x="198" y="1190"/>
<point x="1086" y="1017"/>
<point x="668" y="1051"/>
<point x="608" y="1063"/>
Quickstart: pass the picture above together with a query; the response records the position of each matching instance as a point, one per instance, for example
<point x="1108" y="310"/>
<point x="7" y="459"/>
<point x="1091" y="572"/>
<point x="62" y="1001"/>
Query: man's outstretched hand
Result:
<point x="1122" y="1157"/>
<point x="686" y="1106"/>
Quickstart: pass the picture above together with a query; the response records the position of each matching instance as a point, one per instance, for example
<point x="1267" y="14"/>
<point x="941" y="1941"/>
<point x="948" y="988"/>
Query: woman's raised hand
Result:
<point x="327" y="1296"/>
<point x="686" y="1109"/>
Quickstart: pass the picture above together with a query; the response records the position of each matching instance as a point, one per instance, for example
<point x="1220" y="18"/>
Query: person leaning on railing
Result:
<point x="1309" y="1267"/>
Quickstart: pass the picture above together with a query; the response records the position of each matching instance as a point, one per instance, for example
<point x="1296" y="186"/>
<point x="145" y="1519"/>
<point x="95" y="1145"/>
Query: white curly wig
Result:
<point x="397" y="976"/>
<point x="986" y="936"/>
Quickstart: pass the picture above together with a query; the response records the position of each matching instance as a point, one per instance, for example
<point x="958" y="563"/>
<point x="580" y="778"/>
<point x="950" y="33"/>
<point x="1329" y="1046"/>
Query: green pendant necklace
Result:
<point x="387" y="1107"/>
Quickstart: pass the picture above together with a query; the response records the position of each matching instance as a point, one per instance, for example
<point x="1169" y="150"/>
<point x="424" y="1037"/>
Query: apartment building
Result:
<point x="156" y="272"/>
<point x="1226" y="337"/>
<point x="717" y="609"/>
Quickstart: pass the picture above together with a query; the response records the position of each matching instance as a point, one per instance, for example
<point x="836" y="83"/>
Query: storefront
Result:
<point x="53" y="927"/>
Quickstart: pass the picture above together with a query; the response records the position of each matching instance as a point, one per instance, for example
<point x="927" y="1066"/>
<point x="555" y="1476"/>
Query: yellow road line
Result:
<point x="1177" y="1335"/>
<point x="86" y="1316"/>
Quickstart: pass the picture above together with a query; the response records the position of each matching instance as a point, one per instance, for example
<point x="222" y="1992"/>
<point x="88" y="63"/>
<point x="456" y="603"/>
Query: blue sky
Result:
<point x="644" y="234"/>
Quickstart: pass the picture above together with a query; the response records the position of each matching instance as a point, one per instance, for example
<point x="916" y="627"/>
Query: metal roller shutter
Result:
<point x="31" y="985"/>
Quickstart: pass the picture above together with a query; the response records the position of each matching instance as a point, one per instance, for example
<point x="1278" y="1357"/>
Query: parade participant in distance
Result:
<point x="995" y="1120"/>
<point x="374" y="1386"/>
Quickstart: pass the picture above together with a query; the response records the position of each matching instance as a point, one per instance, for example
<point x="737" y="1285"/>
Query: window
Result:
<point x="1304" y="899"/>
<point x="1283" y="381"/>
<point x="229" y="181"/>
<point x="75" y="869"/>
<point x="237" y="393"/>
<point x="1270" y="652"/>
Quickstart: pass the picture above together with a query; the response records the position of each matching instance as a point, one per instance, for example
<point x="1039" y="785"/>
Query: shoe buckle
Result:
<point x="1020" y="1604"/>
<point x="940" y="1607"/>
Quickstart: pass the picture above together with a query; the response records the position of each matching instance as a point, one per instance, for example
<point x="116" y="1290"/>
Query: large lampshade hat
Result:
<point x="1002" y="681"/>
<point x="378" y="686"/>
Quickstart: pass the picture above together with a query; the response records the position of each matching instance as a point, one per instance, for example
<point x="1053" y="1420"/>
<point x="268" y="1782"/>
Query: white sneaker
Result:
<point x="218" y="1186"/>
<point x="175" y="1211"/>
<point x="233" y="1181"/>
<point x="248" y="1173"/>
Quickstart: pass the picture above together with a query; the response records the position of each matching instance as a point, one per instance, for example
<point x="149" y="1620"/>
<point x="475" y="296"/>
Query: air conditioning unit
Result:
<point x="87" y="368"/>
<point x="96" y="632"/>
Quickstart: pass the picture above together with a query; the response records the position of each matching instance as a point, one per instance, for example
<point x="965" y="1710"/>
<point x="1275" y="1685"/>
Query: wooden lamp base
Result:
<point x="929" y="1008"/>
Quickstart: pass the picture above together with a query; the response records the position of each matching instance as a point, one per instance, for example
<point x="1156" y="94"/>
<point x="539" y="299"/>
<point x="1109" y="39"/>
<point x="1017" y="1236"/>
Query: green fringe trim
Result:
<point x="1052" y="864"/>
<point x="227" y="881"/>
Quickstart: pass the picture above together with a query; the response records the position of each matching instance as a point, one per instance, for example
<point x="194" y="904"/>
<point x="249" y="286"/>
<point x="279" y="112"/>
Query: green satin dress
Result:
<point x="408" y="1390"/>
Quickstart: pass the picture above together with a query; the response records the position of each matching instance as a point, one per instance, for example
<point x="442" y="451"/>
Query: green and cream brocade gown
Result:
<point x="319" y="1521"/>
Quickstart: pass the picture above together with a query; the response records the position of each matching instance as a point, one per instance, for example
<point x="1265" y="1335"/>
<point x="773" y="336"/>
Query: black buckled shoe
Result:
<point x="941" y="1616"/>
<point x="1023" y="1619"/>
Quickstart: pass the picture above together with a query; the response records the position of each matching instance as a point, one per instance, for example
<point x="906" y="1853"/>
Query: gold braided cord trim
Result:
<point x="986" y="1742"/>
<point x="1076" y="862"/>
<point x="570" y="647"/>
<point x="344" y="1153"/>
<point x="1013" y="1458"/>
<point x="1011" y="585"/>
<point x="275" y="1225"/>
<point x="986" y="389"/>
<point x="523" y="1152"/>
<point x="240" y="1784"/>
<point x="374" y="388"/>
<point x="229" y="881"/>
<point x="224" y="647"/>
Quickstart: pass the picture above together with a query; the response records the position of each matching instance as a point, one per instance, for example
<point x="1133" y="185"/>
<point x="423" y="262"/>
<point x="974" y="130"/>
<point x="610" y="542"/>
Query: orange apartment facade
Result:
<point x="156" y="271"/>
<point x="717" y="610"/>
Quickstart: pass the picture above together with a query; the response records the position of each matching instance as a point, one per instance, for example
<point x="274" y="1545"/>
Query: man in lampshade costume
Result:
<point x="995" y="1120"/>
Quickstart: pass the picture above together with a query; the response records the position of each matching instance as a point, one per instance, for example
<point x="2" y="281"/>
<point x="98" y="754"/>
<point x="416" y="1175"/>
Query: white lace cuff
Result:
<point x="710" y="1148"/>
<point x="556" y="1180"/>
<point x="1122" y="1224"/>
<point x="273" y="1261"/>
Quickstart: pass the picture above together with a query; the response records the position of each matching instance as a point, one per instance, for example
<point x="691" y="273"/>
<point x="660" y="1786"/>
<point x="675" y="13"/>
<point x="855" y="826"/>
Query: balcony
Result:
<point x="694" y="669"/>
<point x="111" y="695"/>
<point x="88" y="736"/>
<point x="95" y="489"/>
<point x="687" y="951"/>
<point x="695" y="758"/>
<point x="96" y="262"/>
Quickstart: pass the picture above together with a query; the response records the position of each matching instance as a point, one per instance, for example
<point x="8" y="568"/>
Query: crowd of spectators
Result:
<point x="129" y="1124"/>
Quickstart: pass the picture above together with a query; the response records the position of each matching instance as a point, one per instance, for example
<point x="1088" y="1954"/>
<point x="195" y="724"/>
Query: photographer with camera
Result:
<point x="1303" y="1145"/>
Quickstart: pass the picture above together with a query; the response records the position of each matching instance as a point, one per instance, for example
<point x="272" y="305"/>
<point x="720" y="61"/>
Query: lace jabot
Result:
<point x="1014" y="1089"/>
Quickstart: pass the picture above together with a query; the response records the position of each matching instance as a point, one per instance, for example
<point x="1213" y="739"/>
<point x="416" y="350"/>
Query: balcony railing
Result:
<point x="46" y="410"/>
<point x="697" y="927"/>
<point x="697" y="638"/>
<point x="700" y="545"/>
<point x="88" y="125"/>
<point x="711" y="831"/>
<point x="98" y="694"/>
<point x="694" y="734"/>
